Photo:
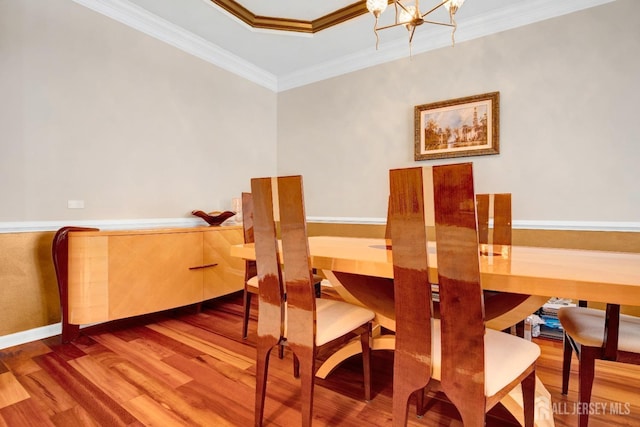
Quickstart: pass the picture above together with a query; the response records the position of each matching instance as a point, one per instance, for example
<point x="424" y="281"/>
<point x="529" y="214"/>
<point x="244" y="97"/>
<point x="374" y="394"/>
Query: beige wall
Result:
<point x="94" y="110"/>
<point x="569" y="92"/>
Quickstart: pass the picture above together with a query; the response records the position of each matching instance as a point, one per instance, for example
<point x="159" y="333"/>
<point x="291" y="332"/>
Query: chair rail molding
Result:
<point x="621" y="226"/>
<point x="560" y="225"/>
<point x="120" y="224"/>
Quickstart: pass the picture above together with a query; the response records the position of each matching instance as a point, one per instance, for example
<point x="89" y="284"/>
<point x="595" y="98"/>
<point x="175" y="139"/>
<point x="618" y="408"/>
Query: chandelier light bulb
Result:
<point x="376" y="6"/>
<point x="453" y="5"/>
<point x="407" y="16"/>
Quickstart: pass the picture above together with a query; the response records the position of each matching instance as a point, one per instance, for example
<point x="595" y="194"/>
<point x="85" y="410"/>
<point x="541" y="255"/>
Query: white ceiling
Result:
<point x="282" y="60"/>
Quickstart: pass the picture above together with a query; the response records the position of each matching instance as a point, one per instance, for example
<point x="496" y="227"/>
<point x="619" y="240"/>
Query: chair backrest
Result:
<point x="496" y="207"/>
<point x="247" y="228"/>
<point x="298" y="276"/>
<point x="412" y="291"/>
<point x="461" y="303"/>
<point x="461" y="300"/>
<point x="300" y="292"/>
<point x="271" y="290"/>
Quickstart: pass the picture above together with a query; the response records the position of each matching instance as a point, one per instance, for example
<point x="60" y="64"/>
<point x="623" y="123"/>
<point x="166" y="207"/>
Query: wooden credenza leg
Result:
<point x="69" y="332"/>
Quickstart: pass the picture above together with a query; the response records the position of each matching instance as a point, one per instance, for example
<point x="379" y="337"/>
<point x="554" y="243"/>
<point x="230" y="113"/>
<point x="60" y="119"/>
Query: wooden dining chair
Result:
<point x="596" y="334"/>
<point x="303" y="322"/>
<point x="494" y="218"/>
<point x="474" y="366"/>
<point x="250" y="272"/>
<point x="60" y="256"/>
<point x="503" y="310"/>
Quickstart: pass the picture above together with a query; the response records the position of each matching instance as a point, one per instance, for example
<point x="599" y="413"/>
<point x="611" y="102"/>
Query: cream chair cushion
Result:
<point x="253" y="281"/>
<point x="586" y="327"/>
<point x="506" y="356"/>
<point x="336" y="318"/>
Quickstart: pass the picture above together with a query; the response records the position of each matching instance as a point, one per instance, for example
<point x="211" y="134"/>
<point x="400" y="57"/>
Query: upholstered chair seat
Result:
<point x="586" y="327"/>
<point x="337" y="318"/>
<point x="501" y="367"/>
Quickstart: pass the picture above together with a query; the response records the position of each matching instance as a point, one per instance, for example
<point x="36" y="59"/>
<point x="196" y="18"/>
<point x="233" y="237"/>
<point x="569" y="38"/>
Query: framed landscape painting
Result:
<point x="458" y="127"/>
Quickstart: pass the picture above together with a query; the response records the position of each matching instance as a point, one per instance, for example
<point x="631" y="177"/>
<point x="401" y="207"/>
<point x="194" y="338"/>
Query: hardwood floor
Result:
<point x="182" y="368"/>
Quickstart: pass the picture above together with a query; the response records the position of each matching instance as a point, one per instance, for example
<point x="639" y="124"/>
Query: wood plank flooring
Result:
<point x="182" y="368"/>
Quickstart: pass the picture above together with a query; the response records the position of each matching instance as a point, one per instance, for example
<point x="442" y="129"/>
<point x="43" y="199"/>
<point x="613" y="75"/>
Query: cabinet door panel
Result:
<point x="88" y="294"/>
<point x="151" y="272"/>
<point x="228" y="275"/>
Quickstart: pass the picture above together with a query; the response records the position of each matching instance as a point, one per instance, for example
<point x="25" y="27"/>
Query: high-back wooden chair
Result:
<point x="60" y="256"/>
<point x="303" y="322"/>
<point x="596" y="334"/>
<point x="250" y="272"/>
<point x="503" y="310"/>
<point x="496" y="209"/>
<point x="474" y="366"/>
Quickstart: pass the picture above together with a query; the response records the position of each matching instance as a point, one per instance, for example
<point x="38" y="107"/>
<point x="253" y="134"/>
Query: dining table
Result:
<point x="361" y="272"/>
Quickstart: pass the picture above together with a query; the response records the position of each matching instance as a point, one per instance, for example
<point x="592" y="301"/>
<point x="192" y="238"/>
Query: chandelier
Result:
<point x="411" y="17"/>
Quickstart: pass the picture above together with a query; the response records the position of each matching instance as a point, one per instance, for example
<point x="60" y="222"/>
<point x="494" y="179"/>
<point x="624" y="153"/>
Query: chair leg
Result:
<point x="262" y="368"/>
<point x="528" y="398"/>
<point x="472" y="418"/>
<point x="519" y="327"/>
<point x="400" y="404"/>
<point x="566" y="364"/>
<point x="306" y="362"/>
<point x="366" y="360"/>
<point x="472" y="411"/>
<point x="296" y="366"/>
<point x="246" y="306"/>
<point x="586" y="370"/>
<point x="408" y="379"/>
<point x="421" y="408"/>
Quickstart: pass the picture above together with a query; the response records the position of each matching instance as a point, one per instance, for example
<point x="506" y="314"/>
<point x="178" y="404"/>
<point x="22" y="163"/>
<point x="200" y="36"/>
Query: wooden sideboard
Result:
<point x="118" y="274"/>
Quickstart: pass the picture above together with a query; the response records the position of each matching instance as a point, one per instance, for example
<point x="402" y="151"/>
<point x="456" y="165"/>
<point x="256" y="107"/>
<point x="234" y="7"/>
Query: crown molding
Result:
<point x="508" y="17"/>
<point x="138" y="18"/>
<point x="495" y="21"/>
<point x="288" y="24"/>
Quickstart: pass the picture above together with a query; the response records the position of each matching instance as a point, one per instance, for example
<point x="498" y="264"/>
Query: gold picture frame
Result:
<point x="459" y="127"/>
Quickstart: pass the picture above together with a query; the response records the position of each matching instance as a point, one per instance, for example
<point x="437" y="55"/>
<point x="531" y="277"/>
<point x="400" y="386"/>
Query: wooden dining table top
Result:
<point x="591" y="275"/>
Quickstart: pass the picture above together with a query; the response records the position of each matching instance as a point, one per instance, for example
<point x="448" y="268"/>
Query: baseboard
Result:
<point x="30" y="335"/>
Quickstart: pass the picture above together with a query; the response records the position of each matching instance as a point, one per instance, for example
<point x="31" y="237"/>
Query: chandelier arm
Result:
<point x="395" y="4"/>
<point x="375" y="31"/>
<point x="434" y="8"/>
<point x="452" y="16"/>
<point x="402" y="7"/>
<point x="413" y="30"/>
<point x="444" y="24"/>
<point x="391" y="26"/>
